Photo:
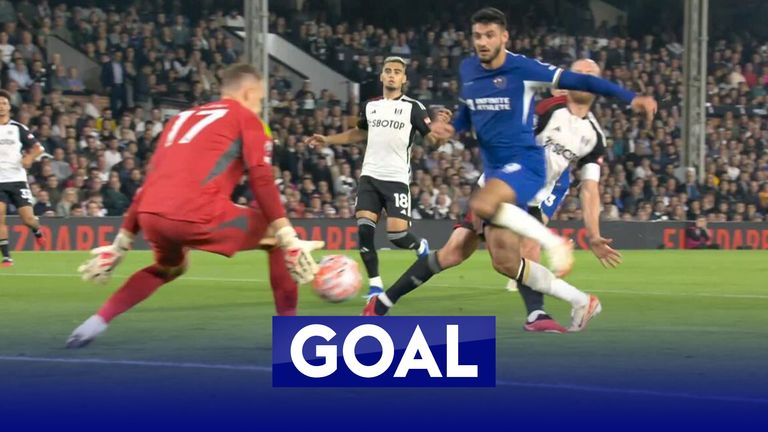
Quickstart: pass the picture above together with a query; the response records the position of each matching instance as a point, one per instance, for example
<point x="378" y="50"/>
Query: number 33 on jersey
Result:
<point x="186" y="179"/>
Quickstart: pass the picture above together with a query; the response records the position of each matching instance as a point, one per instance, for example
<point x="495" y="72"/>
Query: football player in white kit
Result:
<point x="18" y="150"/>
<point x="389" y="125"/>
<point x="570" y="134"/>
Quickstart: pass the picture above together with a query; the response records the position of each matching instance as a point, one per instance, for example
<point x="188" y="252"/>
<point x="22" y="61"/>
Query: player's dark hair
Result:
<point x="5" y="94"/>
<point x="490" y="15"/>
<point x="237" y="72"/>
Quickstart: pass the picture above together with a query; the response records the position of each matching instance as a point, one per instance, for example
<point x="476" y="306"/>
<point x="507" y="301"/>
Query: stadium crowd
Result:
<point x="97" y="151"/>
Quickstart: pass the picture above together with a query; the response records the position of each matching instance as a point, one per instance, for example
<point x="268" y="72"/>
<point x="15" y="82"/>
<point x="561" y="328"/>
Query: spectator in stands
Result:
<point x="307" y="190"/>
<point x="53" y="189"/>
<point x="27" y="48"/>
<point x="423" y="92"/>
<point x="112" y="154"/>
<point x="691" y="185"/>
<point x="60" y="167"/>
<point x="59" y="80"/>
<point x="48" y="141"/>
<point x="345" y="184"/>
<point x="60" y="29"/>
<point x="424" y="209"/>
<point x="19" y="74"/>
<point x="6" y="48"/>
<point x="68" y="200"/>
<point x="401" y="47"/>
<point x="106" y="123"/>
<point x="113" y="79"/>
<point x="659" y="211"/>
<point x="133" y="183"/>
<point x="115" y="202"/>
<point x="442" y="206"/>
<point x="306" y="89"/>
<point x="94" y="209"/>
<point x="43" y="204"/>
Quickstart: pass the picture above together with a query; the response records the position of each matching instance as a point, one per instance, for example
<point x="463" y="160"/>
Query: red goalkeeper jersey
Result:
<point x="199" y="159"/>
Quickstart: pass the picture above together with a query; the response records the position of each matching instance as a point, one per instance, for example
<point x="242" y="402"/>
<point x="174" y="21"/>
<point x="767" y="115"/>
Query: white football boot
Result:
<point x="87" y="332"/>
<point x="583" y="314"/>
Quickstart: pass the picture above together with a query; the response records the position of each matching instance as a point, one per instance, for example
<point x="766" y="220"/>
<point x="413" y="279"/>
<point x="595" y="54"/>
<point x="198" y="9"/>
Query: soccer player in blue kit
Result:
<point x="496" y="101"/>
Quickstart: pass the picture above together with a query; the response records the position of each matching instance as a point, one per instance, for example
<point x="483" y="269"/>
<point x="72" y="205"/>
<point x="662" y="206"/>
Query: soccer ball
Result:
<point x="338" y="279"/>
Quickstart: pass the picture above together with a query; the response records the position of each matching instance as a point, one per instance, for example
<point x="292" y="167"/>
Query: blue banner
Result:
<point x="433" y="351"/>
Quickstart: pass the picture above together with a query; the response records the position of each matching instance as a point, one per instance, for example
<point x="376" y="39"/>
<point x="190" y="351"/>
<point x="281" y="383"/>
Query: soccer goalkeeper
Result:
<point x="201" y="155"/>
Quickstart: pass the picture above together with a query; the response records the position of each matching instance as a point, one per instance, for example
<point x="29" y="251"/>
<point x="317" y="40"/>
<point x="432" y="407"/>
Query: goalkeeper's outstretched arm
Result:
<point x="105" y="259"/>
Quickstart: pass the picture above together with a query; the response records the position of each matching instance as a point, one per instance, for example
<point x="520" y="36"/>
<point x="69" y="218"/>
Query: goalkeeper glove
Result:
<point x="298" y="257"/>
<point x="105" y="259"/>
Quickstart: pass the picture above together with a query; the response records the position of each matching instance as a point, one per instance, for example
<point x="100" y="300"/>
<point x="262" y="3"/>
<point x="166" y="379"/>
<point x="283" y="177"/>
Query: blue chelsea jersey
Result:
<point x="498" y="104"/>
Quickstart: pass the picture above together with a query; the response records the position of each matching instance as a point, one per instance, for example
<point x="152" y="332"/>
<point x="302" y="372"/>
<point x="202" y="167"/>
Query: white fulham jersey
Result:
<point x="15" y="138"/>
<point x="392" y="125"/>
<point x="566" y="139"/>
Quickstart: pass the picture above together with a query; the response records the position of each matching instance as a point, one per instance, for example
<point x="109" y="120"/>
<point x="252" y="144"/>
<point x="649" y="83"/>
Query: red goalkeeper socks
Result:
<point x="284" y="288"/>
<point x="145" y="282"/>
<point x="137" y="288"/>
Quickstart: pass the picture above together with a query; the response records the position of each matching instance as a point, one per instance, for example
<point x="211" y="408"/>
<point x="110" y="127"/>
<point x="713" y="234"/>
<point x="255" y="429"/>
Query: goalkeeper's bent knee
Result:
<point x="169" y="273"/>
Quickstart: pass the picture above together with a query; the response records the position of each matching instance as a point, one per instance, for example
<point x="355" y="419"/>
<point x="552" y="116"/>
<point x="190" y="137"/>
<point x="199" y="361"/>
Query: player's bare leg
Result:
<point x="30" y="220"/>
<point x="494" y="203"/>
<point x="460" y="246"/>
<point x="7" y="260"/>
<point x="532" y="251"/>
<point x="398" y="232"/>
<point x="504" y="247"/>
<point x="366" y="233"/>
<point x="136" y="289"/>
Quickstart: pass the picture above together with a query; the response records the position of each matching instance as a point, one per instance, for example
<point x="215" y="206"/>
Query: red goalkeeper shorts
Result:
<point x="237" y="228"/>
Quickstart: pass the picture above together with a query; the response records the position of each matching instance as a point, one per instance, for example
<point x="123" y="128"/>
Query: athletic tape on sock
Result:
<point x="396" y="235"/>
<point x="434" y="263"/>
<point x="365" y="221"/>
<point x="520" y="277"/>
<point x="403" y="239"/>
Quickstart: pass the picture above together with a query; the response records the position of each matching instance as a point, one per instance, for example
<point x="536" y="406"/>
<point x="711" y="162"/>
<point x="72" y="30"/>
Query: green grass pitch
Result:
<point x="693" y="322"/>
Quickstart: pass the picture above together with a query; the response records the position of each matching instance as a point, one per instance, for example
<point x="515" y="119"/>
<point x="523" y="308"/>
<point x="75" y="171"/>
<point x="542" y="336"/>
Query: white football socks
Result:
<point x="518" y="220"/>
<point x="542" y="280"/>
<point x="376" y="281"/>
